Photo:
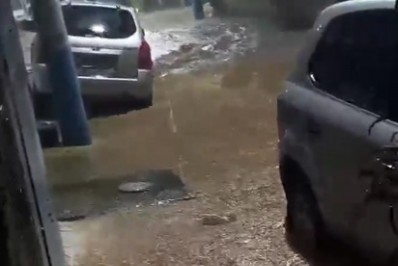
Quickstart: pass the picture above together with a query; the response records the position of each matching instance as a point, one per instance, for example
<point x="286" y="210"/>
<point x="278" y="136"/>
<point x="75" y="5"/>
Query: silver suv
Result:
<point x="338" y="131"/>
<point x="113" y="60"/>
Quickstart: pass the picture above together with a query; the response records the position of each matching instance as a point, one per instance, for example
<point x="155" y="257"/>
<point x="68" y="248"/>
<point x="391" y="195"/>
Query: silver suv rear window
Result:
<point x="95" y="21"/>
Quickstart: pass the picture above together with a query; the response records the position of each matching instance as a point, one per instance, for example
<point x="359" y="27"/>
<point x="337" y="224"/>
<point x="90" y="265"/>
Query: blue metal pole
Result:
<point x="198" y="12"/>
<point x="67" y="100"/>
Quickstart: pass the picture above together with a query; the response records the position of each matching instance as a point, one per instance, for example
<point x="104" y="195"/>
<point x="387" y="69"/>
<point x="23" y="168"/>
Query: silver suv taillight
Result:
<point x="145" y="56"/>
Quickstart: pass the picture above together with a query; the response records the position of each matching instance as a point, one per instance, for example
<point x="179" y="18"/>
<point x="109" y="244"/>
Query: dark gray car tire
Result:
<point x="304" y="223"/>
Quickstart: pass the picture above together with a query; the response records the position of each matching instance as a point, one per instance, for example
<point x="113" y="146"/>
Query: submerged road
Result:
<point x="213" y="123"/>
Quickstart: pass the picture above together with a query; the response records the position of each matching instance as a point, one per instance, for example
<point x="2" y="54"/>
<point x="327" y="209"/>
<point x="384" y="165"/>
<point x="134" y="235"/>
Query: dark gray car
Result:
<point x="338" y="129"/>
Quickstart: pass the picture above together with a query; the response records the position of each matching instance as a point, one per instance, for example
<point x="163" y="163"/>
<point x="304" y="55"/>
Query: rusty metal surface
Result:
<point x="34" y="237"/>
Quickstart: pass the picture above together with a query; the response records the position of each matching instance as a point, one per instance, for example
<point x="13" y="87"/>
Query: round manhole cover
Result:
<point x="134" y="187"/>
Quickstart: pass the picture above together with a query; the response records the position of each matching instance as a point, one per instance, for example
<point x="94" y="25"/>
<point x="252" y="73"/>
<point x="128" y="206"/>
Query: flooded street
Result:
<point x="212" y="127"/>
<point x="221" y="140"/>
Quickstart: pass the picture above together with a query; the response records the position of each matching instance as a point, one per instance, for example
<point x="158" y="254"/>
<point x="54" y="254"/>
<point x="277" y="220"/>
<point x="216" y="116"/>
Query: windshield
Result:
<point x="90" y="21"/>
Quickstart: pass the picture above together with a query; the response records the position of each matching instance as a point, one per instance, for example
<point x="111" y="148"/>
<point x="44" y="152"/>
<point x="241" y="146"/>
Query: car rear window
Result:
<point x="94" y="21"/>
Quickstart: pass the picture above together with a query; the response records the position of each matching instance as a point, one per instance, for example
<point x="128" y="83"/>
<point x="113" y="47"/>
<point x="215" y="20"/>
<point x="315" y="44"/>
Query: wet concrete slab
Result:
<point x="99" y="197"/>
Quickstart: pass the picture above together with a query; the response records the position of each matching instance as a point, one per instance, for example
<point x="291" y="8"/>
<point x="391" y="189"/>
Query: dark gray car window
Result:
<point x="357" y="59"/>
<point x="97" y="21"/>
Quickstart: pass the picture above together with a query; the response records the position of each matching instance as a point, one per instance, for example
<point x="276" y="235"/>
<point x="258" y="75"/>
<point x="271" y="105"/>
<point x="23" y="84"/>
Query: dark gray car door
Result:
<point x="350" y="117"/>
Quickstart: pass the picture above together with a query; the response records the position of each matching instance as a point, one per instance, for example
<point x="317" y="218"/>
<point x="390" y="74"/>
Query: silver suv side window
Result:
<point x="356" y="60"/>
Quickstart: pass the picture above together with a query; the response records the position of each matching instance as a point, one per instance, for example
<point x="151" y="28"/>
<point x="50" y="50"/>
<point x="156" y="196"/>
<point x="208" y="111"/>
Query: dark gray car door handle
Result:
<point x="314" y="128"/>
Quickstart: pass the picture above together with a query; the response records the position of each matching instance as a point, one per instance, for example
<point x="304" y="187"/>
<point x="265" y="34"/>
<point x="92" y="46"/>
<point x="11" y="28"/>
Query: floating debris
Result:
<point x="213" y="219"/>
<point x="165" y="198"/>
<point x="69" y="216"/>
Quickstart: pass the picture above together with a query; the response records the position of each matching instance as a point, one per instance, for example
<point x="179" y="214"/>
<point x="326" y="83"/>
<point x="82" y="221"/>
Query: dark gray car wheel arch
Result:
<point x="304" y="222"/>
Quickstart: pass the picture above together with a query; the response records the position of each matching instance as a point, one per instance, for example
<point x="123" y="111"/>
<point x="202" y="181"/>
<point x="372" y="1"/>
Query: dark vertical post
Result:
<point x="198" y="12"/>
<point x="29" y="226"/>
<point x="67" y="100"/>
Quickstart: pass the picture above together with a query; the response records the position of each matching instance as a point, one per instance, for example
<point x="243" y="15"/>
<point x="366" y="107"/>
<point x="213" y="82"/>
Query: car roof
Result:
<point x="320" y="24"/>
<point x="107" y="3"/>
<point x="346" y="7"/>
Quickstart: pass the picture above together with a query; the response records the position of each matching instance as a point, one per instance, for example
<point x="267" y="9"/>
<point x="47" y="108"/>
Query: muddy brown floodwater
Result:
<point x="215" y="129"/>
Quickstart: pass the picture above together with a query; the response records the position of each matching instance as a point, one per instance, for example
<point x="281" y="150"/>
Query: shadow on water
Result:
<point x="100" y="196"/>
<point x="104" y="108"/>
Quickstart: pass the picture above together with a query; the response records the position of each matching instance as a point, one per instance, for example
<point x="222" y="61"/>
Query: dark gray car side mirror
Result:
<point x="143" y="32"/>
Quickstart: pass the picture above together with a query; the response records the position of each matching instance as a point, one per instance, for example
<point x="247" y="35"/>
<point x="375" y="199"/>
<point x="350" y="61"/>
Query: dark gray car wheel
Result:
<point x="303" y="221"/>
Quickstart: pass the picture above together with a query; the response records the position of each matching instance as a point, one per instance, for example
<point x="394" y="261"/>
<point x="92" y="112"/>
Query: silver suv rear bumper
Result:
<point x="99" y="86"/>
